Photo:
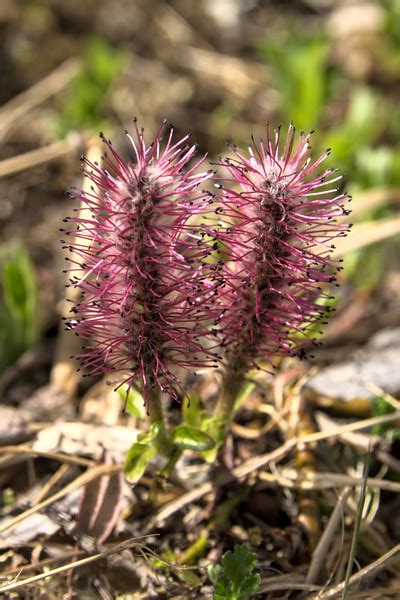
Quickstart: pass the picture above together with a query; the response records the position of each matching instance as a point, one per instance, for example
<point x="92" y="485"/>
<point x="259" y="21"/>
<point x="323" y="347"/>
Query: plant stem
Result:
<point x="156" y="414"/>
<point x="226" y="405"/>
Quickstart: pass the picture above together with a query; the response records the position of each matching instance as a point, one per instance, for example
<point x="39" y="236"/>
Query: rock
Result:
<point x="377" y="364"/>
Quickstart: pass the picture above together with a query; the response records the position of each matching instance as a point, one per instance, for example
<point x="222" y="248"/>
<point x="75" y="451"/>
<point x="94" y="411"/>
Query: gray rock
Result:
<point x="376" y="363"/>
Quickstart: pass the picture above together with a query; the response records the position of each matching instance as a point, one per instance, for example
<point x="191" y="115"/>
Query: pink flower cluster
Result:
<point x="284" y="217"/>
<point x="168" y="285"/>
<point x="145" y="287"/>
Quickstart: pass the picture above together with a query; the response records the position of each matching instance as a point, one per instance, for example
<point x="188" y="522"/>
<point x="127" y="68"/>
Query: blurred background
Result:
<point x="218" y="68"/>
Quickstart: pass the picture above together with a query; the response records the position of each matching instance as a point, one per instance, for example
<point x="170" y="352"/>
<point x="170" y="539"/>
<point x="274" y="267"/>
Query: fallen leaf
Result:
<point x="101" y="504"/>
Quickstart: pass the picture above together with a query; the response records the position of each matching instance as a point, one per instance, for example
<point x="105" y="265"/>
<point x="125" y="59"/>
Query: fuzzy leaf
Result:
<point x="190" y="438"/>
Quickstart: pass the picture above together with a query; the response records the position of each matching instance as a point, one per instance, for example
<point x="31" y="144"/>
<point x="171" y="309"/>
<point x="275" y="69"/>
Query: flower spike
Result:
<point x="144" y="282"/>
<point x="281" y="218"/>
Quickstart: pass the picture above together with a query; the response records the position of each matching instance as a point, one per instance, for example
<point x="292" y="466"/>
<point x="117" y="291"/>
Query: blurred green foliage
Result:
<point x="85" y="106"/>
<point x="309" y="85"/>
<point x="359" y="120"/>
<point x="299" y="66"/>
<point x="19" y="308"/>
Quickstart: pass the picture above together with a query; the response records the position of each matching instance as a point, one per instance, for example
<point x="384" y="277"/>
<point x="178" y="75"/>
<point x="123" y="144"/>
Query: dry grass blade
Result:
<point x="34" y="158"/>
<point x="357" y="526"/>
<point x="365" y="234"/>
<point x="372" y="199"/>
<point x="77" y="483"/>
<point x="54" y="479"/>
<point x="64" y="458"/>
<point x="324" y="543"/>
<point x="276" y="586"/>
<point x="143" y="550"/>
<point x="38" y="93"/>
<point x="292" y="479"/>
<point x="370" y="570"/>
<point x="100" y="504"/>
<point x="40" y="564"/>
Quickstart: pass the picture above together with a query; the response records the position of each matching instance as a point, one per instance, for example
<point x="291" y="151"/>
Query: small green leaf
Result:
<point x="238" y="564"/>
<point x="134" y="403"/>
<point x="244" y="393"/>
<point x="137" y="460"/>
<point x="192" y="409"/>
<point x="214" y="572"/>
<point x="85" y="104"/>
<point x="249" y="585"/>
<point x="147" y="438"/>
<point x="189" y="577"/>
<point x="190" y="438"/>
<point x="235" y="580"/>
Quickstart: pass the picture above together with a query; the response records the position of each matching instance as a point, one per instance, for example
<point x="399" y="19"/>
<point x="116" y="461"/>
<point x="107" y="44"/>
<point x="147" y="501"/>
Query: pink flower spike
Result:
<point x="145" y="285"/>
<point x="281" y="217"/>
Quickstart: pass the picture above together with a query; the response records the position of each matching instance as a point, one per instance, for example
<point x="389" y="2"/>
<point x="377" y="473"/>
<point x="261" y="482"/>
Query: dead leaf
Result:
<point x="101" y="504"/>
<point x="90" y="439"/>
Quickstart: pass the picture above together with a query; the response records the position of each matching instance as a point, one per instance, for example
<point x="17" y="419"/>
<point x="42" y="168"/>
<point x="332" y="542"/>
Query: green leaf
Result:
<point x="238" y="564"/>
<point x="301" y="75"/>
<point x="137" y="460"/>
<point x="381" y="407"/>
<point x="134" y="403"/>
<point x="222" y="590"/>
<point x="214" y="572"/>
<point x="192" y="409"/>
<point x="19" y="310"/>
<point x="190" y="438"/>
<point x="189" y="577"/>
<point x="147" y="438"/>
<point x="249" y="585"/>
<point x="235" y="580"/>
